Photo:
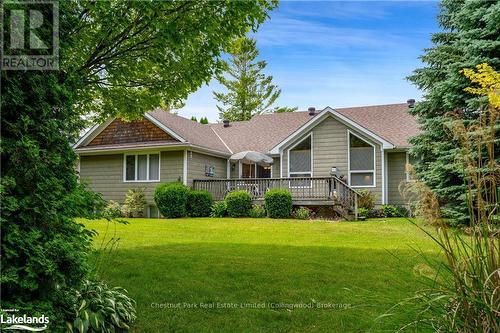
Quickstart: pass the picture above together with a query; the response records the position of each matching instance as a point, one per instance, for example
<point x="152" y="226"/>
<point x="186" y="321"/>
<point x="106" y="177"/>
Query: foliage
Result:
<point x="249" y="91"/>
<point x="102" y="309"/>
<point x="257" y="211"/>
<point x="171" y="199"/>
<point x="366" y="199"/>
<point x="44" y="252"/>
<point x="204" y="120"/>
<point x="278" y="203"/>
<point x="489" y="82"/>
<point x="402" y="211"/>
<point x="469" y="36"/>
<point x="463" y="295"/>
<point x="117" y="58"/>
<point x="303" y="213"/>
<point x="389" y="211"/>
<point x="219" y="209"/>
<point x="363" y="212"/>
<point x="199" y="203"/>
<point x="83" y="202"/>
<point x="193" y="118"/>
<point x="113" y="210"/>
<point x="238" y="203"/>
<point x="135" y="203"/>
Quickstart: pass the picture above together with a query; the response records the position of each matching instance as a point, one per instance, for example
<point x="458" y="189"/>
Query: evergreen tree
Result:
<point x="470" y="36"/>
<point x="204" y="120"/>
<point x="249" y="91"/>
<point x="193" y="118"/>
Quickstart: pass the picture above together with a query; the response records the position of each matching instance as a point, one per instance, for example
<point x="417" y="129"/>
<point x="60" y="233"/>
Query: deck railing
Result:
<point x="303" y="189"/>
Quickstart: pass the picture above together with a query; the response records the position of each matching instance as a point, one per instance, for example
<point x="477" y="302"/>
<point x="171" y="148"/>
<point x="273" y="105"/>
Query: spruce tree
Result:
<point x="470" y="36"/>
<point x="249" y="91"/>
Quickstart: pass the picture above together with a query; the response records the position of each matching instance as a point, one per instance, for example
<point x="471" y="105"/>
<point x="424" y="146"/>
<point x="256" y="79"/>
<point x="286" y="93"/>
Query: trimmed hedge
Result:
<point x="303" y="213"/>
<point x="278" y="203"/>
<point x="199" y="203"/>
<point x="238" y="203"/>
<point x="171" y="199"/>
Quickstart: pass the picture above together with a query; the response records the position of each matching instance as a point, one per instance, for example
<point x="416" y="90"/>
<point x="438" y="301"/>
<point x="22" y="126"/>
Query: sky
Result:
<point x="337" y="53"/>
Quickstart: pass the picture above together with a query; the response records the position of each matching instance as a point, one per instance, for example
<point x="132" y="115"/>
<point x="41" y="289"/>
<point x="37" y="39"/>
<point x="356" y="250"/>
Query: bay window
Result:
<point x="142" y="167"/>
<point x="361" y="162"/>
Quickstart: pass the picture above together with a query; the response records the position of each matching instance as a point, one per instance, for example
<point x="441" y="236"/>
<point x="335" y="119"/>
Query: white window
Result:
<point x="300" y="163"/>
<point x="361" y="162"/>
<point x="141" y="168"/>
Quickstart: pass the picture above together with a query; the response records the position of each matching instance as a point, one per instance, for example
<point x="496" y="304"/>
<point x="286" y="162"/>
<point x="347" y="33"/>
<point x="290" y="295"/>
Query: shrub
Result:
<point x="278" y="203"/>
<point x="102" y="309"/>
<point x="83" y="202"/>
<point x="363" y="212"/>
<point x="112" y="210"/>
<point x="375" y="213"/>
<point x="389" y="211"/>
<point x="257" y="211"/>
<point x="199" y="203"/>
<point x="238" y="203"/>
<point x="171" y="199"/>
<point x="135" y="203"/>
<point x="219" y="209"/>
<point x="303" y="213"/>
<point x="402" y="211"/>
<point x="366" y="199"/>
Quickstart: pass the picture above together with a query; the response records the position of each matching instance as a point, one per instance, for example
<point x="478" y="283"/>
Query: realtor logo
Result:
<point x="11" y="320"/>
<point x="30" y="35"/>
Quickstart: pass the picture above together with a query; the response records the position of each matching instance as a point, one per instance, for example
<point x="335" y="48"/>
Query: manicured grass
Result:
<point x="361" y="268"/>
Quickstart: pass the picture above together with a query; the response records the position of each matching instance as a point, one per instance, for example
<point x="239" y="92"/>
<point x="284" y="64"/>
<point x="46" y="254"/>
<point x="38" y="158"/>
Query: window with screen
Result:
<point x="142" y="167"/>
<point x="361" y="162"/>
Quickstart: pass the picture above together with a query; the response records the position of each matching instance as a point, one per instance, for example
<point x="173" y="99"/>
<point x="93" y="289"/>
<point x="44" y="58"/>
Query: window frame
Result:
<point x="349" y="171"/>
<point x="310" y="135"/>
<point x="136" y="169"/>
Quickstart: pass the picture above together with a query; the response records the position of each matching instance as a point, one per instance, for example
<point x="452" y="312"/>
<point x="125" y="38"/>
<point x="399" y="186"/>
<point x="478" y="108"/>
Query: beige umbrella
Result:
<point x="252" y="157"/>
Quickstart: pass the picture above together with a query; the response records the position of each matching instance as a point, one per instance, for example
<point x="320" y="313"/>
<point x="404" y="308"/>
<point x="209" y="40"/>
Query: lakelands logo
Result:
<point x="29" y="31"/>
<point x="13" y="321"/>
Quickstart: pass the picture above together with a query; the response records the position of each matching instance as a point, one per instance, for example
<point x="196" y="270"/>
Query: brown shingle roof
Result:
<point x="262" y="132"/>
<point x="193" y="132"/>
<point x="391" y="122"/>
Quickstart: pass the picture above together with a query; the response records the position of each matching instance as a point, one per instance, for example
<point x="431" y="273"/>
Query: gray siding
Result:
<point x="276" y="167"/>
<point x="396" y="164"/>
<point x="196" y="166"/>
<point x="330" y="149"/>
<point x="104" y="173"/>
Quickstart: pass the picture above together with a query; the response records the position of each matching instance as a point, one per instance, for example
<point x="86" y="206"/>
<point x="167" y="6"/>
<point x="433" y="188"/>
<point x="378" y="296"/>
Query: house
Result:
<point x="322" y="157"/>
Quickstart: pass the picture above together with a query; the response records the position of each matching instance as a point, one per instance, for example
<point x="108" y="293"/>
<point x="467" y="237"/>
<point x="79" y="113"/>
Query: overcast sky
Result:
<point x="338" y="53"/>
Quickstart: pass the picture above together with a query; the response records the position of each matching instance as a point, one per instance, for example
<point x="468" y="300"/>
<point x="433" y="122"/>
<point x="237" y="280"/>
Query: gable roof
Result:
<point x="389" y="124"/>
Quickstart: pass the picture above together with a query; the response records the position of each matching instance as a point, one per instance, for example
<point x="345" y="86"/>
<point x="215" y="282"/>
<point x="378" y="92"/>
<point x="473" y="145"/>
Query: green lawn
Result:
<point x="357" y="270"/>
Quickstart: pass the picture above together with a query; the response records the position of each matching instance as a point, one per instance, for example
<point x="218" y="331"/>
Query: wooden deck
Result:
<point x="306" y="191"/>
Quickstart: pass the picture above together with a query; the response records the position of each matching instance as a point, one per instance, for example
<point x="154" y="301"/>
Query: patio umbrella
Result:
<point x="252" y="157"/>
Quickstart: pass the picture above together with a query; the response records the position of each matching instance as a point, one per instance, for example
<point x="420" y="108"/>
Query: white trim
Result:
<point x="93" y="132"/>
<point x="382" y="160"/>
<point x="164" y="127"/>
<point x="349" y="172"/>
<point x="385" y="173"/>
<point x="228" y="169"/>
<point x="222" y="141"/>
<point x="147" y="180"/>
<point x="185" y="167"/>
<point x="239" y="169"/>
<point x="318" y="118"/>
<point x="281" y="164"/>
